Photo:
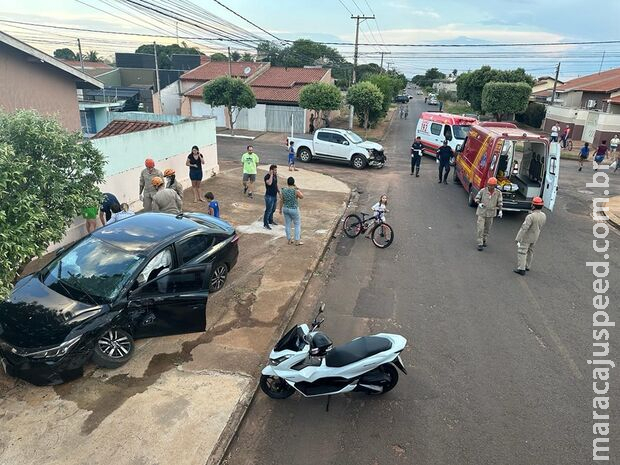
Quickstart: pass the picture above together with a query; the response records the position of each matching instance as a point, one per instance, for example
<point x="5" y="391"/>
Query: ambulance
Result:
<point x="525" y="164"/>
<point x="434" y="128"/>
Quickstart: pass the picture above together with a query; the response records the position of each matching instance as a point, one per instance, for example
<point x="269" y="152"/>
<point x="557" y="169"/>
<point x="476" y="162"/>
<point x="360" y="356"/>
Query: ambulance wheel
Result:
<point x="472" y="197"/>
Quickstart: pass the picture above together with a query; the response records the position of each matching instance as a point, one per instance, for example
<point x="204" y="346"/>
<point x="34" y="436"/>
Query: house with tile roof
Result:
<point x="276" y="89"/>
<point x="589" y="105"/>
<point x="32" y="79"/>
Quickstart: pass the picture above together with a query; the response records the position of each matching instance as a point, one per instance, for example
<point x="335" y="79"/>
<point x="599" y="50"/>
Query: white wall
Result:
<point x="170" y="99"/>
<point x="168" y="146"/>
<point x="201" y="109"/>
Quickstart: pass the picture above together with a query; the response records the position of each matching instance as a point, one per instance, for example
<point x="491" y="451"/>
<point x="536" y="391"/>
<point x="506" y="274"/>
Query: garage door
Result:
<point x="279" y="118"/>
<point x="201" y="109"/>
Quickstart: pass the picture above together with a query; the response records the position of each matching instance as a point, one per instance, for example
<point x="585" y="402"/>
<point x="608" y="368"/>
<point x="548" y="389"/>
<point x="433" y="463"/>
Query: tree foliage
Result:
<point x="47" y="175"/>
<point x="427" y="79"/>
<point x="534" y="115"/>
<point x="165" y="52"/>
<point x="235" y="56"/>
<point x="232" y="93"/>
<point x="320" y="97"/>
<point x="365" y="97"/>
<point x="469" y="85"/>
<point x="302" y="52"/>
<point x="247" y="57"/>
<point x="503" y="98"/>
<point x="218" y="57"/>
<point x="66" y="54"/>
<point x="93" y="55"/>
<point x="389" y="86"/>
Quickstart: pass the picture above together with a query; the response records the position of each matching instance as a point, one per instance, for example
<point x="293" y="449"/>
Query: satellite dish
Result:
<point x="247" y="70"/>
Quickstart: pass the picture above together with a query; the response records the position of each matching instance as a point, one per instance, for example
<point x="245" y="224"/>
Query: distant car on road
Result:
<point x="401" y="99"/>
<point x="147" y="275"/>
<point x="433" y="101"/>
<point x="420" y="92"/>
<point x="339" y="145"/>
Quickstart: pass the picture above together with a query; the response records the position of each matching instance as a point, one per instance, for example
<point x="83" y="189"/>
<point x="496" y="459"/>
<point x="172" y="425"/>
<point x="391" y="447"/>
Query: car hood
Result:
<point x="35" y="316"/>
<point x="371" y="145"/>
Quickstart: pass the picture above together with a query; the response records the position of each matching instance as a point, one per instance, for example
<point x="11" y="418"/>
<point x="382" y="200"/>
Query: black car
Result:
<point x="401" y="99"/>
<point x="147" y="275"/>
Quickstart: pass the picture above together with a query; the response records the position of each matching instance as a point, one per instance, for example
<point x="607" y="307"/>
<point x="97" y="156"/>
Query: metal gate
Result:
<point x="279" y="118"/>
<point x="589" y="129"/>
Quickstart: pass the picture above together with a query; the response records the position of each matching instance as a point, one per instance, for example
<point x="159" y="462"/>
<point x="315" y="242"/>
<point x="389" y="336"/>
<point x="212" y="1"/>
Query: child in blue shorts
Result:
<point x="291" y="157"/>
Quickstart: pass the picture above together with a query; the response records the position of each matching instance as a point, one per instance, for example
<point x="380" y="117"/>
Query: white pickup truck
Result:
<point x="339" y="145"/>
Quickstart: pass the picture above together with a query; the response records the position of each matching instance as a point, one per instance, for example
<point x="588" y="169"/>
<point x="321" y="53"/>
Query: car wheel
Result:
<point x="218" y="277"/>
<point x="113" y="348"/>
<point x="358" y="162"/>
<point x="305" y="155"/>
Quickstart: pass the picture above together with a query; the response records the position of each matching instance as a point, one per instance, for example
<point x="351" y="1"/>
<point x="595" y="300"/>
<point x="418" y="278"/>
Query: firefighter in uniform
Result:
<point x="165" y="200"/>
<point x="489" y="201"/>
<point x="147" y="191"/>
<point x="528" y="236"/>
<point x="416" y="156"/>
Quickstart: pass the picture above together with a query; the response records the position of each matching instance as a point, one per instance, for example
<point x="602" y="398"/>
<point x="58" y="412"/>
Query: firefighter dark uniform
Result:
<point x="444" y="154"/>
<point x="416" y="157"/>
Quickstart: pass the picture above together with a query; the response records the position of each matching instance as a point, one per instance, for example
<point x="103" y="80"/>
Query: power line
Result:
<point x="247" y="20"/>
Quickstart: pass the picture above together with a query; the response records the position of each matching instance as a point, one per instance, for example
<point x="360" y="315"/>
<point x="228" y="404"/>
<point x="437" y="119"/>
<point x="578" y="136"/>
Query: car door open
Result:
<point x="173" y="303"/>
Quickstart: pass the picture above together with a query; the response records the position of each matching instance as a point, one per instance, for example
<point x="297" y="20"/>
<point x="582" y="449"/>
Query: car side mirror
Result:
<point x="345" y="142"/>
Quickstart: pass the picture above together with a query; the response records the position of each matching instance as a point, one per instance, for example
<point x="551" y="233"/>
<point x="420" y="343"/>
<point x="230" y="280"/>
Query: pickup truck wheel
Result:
<point x="358" y="162"/>
<point x="305" y="155"/>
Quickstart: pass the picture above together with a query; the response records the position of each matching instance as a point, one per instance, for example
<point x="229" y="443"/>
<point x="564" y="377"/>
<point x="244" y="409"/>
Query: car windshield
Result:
<point x="354" y="137"/>
<point x="93" y="271"/>
<point x="460" y="132"/>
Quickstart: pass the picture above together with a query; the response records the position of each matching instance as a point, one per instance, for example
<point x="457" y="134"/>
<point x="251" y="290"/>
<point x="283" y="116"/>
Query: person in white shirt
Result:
<point x="613" y="148"/>
<point x="380" y="209"/>
<point x="120" y="212"/>
<point x="555" y="131"/>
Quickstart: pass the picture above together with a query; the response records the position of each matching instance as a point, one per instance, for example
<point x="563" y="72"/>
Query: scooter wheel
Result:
<point x="392" y="375"/>
<point x="276" y="387"/>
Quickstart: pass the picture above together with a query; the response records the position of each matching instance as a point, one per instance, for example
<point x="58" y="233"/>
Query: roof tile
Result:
<point x="607" y="81"/>
<point x="215" y="69"/>
<point x="119" y="126"/>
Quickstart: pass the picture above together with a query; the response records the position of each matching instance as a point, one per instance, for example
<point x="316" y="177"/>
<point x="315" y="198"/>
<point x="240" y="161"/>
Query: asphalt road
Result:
<point x="497" y="362"/>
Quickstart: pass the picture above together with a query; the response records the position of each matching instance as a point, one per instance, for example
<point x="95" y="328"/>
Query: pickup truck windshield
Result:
<point x="460" y="132"/>
<point x="354" y="137"/>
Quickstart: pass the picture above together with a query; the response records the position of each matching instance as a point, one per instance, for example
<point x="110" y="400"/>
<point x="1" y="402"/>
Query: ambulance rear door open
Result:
<point x="552" y="173"/>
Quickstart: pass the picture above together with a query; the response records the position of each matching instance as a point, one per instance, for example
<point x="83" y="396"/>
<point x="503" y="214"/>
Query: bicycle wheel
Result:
<point x="382" y="235"/>
<point x="352" y="225"/>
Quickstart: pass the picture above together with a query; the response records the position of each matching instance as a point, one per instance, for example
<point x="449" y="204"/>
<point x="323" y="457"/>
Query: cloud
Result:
<point x="424" y="12"/>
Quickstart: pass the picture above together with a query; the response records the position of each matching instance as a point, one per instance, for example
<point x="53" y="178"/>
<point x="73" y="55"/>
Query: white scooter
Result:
<point x="304" y="360"/>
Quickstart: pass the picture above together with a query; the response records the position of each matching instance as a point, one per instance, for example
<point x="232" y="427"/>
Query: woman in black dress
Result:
<point x="195" y="160"/>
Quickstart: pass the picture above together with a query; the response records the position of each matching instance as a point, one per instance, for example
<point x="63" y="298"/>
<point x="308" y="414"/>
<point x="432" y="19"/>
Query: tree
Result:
<point x="218" y="57"/>
<point x="65" y="54"/>
<point x="232" y="93"/>
<point x="502" y="98"/>
<point x="389" y="87"/>
<point x="427" y="79"/>
<point x="320" y="97"/>
<point x="165" y="52"/>
<point x="454" y="72"/>
<point x="302" y="52"/>
<point x="92" y="56"/>
<point x="247" y="57"/>
<point x="47" y="175"/>
<point x="236" y="56"/>
<point x="469" y="85"/>
<point x="365" y="98"/>
<point x="534" y="115"/>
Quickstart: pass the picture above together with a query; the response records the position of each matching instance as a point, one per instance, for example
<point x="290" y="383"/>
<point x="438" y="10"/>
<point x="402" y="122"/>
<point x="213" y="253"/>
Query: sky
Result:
<point x="400" y="22"/>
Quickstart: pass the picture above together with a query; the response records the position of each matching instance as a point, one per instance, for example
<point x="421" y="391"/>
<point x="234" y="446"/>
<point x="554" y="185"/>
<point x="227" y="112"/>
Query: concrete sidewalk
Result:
<point x="614" y="211"/>
<point x="180" y="399"/>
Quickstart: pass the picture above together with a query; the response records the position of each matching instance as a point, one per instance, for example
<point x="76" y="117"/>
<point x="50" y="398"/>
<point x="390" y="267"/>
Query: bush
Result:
<point x="505" y="98"/>
<point x="534" y="115"/>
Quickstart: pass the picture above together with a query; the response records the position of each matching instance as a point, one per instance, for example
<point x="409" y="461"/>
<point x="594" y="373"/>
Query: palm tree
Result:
<point x="92" y="56"/>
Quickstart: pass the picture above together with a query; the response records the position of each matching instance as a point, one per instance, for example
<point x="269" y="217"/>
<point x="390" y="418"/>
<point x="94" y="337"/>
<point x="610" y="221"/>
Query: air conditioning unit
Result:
<point x="591" y="104"/>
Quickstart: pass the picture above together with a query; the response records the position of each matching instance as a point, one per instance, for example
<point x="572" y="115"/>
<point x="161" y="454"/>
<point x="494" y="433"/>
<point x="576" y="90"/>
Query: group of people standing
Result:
<point x="444" y="154"/>
<point x="285" y="199"/>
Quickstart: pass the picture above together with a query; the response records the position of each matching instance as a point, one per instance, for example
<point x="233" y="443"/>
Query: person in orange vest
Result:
<point x="489" y="201"/>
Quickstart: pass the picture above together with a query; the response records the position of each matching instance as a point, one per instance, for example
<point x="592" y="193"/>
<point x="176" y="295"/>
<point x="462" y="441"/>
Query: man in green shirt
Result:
<point x="250" y="162"/>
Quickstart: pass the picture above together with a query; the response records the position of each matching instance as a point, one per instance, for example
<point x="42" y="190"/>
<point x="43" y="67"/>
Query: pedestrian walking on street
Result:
<point x="165" y="200"/>
<point x="528" y="236"/>
<point x="195" y="160"/>
<point x="105" y="211"/>
<point x="555" y="131"/>
<point x="271" y="196"/>
<point x="289" y="206"/>
<point x="565" y="135"/>
<point x="214" y="206"/>
<point x="173" y="184"/>
<point x="416" y="156"/>
<point x="489" y="201"/>
<point x="444" y="154"/>
<point x="250" y="162"/>
<point x="614" y="143"/>
<point x="583" y="154"/>
<point x="291" y="157"/>
<point x="600" y="154"/>
<point x="147" y="191"/>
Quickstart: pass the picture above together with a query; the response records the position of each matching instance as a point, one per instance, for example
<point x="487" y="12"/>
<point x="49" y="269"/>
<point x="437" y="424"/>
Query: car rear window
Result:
<point x="192" y="247"/>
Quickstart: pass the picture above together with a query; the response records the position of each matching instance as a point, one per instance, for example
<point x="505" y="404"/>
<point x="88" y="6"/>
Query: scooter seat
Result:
<point x="356" y="350"/>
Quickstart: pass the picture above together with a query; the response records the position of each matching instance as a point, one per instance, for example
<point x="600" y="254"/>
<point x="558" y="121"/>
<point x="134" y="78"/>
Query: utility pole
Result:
<point x="355" y="54"/>
<point x="177" y="24"/>
<point x="601" y="67"/>
<point x="81" y="57"/>
<point x="383" y="53"/>
<point x="157" y="75"/>
<point x="555" y="83"/>
<point x="229" y="63"/>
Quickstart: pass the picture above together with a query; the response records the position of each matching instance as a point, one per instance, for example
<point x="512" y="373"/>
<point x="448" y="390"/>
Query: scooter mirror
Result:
<point x="322" y="308"/>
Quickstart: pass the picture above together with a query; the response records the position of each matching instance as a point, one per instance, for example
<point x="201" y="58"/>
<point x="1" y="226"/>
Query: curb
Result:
<point x="236" y="137"/>
<point x="230" y="430"/>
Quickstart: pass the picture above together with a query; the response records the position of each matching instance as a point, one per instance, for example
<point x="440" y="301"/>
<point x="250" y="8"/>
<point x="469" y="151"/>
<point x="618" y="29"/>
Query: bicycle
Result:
<point x="382" y="233"/>
<point x="567" y="144"/>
